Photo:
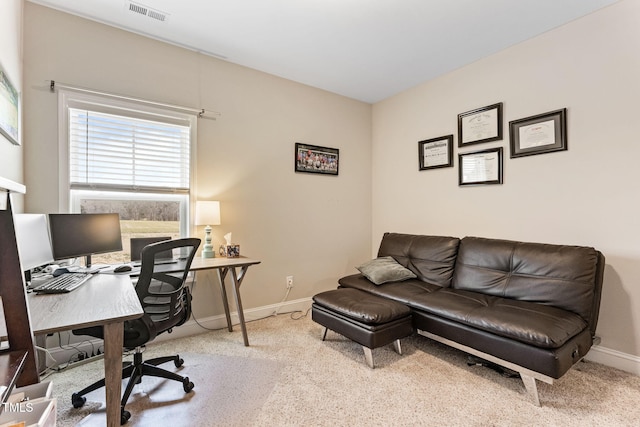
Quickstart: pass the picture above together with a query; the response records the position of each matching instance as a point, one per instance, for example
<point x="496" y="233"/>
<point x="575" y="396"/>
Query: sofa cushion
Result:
<point x="530" y="323"/>
<point x="553" y="362"/>
<point x="431" y="258"/>
<point x="553" y="275"/>
<point x="404" y="292"/>
<point x="385" y="269"/>
<point x="362" y="306"/>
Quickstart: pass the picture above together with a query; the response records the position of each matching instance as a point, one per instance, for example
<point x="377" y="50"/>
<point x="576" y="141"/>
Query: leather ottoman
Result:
<point x="369" y="320"/>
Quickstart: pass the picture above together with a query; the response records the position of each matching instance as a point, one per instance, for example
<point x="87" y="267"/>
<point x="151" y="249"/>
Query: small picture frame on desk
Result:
<point x="230" y="251"/>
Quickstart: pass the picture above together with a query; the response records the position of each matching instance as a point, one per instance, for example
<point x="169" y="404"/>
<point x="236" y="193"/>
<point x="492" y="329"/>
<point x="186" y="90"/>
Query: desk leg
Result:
<point x="237" y="281"/>
<point x="222" y="273"/>
<point x="113" y="338"/>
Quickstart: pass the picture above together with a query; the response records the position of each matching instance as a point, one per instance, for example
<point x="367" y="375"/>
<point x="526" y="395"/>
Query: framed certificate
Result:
<point x="544" y="133"/>
<point x="480" y="125"/>
<point x="480" y="167"/>
<point x="436" y="153"/>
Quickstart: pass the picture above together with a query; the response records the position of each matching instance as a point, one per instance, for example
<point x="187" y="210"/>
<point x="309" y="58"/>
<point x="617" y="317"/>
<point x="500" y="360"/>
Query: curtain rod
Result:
<point x="199" y="111"/>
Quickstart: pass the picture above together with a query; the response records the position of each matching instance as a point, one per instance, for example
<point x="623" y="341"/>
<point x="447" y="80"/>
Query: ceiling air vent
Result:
<point x="157" y="15"/>
<point x="146" y="11"/>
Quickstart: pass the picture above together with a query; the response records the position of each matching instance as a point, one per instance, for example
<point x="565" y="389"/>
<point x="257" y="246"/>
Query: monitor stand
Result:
<point x="88" y="268"/>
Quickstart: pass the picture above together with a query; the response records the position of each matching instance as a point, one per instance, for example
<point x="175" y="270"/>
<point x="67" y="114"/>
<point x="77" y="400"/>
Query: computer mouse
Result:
<point x="122" y="268"/>
<point x="59" y="271"/>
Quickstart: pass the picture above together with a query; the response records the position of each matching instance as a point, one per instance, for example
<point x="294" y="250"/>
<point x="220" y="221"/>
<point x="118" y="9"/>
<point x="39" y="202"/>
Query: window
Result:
<point x="127" y="158"/>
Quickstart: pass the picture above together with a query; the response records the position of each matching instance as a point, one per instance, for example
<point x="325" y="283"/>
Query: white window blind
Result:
<point x="112" y="152"/>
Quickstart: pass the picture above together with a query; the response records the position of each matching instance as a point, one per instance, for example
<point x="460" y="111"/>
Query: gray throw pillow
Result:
<point x="385" y="269"/>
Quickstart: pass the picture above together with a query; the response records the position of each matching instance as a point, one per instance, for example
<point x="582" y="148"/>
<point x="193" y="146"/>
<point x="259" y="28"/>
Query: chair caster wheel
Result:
<point x="187" y="385"/>
<point x="178" y="361"/>
<point x="124" y="416"/>
<point x="77" y="401"/>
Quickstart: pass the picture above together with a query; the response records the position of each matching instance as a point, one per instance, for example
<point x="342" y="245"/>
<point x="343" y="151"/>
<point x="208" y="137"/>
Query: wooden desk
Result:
<point x="106" y="300"/>
<point x="238" y="268"/>
<point x="12" y="290"/>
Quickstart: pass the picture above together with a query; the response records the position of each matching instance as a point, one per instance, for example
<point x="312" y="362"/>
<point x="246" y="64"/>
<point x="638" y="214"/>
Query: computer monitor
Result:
<point x="77" y="235"/>
<point x="138" y="243"/>
<point x="32" y="237"/>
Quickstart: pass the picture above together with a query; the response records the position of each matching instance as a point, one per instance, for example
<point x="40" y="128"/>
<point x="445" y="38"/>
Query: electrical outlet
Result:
<point x="289" y="282"/>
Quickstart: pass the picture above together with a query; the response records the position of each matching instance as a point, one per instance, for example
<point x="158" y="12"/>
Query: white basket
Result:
<point x="33" y="414"/>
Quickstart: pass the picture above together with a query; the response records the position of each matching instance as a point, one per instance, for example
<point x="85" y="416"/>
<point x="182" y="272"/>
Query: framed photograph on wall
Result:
<point x="9" y="109"/>
<point x="315" y="159"/>
<point x="480" y="167"/>
<point x="480" y="125"/>
<point x="544" y="133"/>
<point x="436" y="153"/>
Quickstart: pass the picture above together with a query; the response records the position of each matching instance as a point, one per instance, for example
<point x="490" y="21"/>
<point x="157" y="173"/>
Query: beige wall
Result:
<point x="11" y="62"/>
<point x="588" y="195"/>
<point x="316" y="228"/>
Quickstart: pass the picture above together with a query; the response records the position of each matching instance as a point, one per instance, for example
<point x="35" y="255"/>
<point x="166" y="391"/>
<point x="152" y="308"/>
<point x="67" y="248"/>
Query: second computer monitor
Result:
<point x="32" y="237"/>
<point x="77" y="235"/>
<point x="138" y="243"/>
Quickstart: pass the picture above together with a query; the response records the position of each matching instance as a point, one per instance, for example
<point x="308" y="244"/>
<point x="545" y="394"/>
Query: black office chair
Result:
<point x="167" y="303"/>
<point x="138" y="244"/>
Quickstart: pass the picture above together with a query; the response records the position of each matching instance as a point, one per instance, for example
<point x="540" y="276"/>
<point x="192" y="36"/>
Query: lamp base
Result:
<point x="207" y="248"/>
<point x="208" y="252"/>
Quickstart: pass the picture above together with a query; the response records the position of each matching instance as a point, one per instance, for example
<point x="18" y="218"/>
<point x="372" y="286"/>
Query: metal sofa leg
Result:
<point x="397" y="347"/>
<point x="532" y="389"/>
<point x="324" y="335"/>
<point x="368" y="355"/>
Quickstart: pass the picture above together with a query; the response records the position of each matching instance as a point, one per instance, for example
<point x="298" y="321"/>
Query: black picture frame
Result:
<point x="10" y="106"/>
<point x="316" y="159"/>
<point x="480" y="167"/>
<point x="480" y="125"/>
<point x="539" y="134"/>
<point x="435" y="153"/>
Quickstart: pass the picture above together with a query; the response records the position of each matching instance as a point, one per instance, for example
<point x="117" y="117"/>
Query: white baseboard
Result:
<point x="196" y="326"/>
<point x="615" y="359"/>
<point x="598" y="354"/>
<point x="193" y="327"/>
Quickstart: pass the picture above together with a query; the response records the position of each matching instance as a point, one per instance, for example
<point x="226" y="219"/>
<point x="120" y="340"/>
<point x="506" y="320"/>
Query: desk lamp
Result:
<point x="207" y="213"/>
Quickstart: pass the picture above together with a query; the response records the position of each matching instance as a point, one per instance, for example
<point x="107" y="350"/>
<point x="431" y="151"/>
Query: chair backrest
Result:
<point x="138" y="243"/>
<point x="164" y="297"/>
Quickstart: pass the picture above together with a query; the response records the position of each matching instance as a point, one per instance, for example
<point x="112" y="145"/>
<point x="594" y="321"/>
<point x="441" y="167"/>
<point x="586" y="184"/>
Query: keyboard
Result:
<point x="64" y="283"/>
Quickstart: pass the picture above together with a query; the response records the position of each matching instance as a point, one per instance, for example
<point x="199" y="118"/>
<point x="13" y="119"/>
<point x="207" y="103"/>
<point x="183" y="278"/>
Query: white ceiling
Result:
<point x="363" y="49"/>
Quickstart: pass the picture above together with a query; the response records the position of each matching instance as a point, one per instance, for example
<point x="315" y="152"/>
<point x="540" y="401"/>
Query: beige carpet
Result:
<point x="229" y="391"/>
<point x="289" y="377"/>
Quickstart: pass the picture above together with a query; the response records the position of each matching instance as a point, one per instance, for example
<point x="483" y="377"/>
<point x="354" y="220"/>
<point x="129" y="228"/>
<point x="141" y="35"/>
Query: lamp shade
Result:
<point x="207" y="212"/>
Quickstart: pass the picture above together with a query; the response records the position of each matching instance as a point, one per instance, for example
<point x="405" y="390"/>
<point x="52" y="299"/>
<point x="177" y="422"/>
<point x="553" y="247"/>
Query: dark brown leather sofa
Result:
<point x="530" y="307"/>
